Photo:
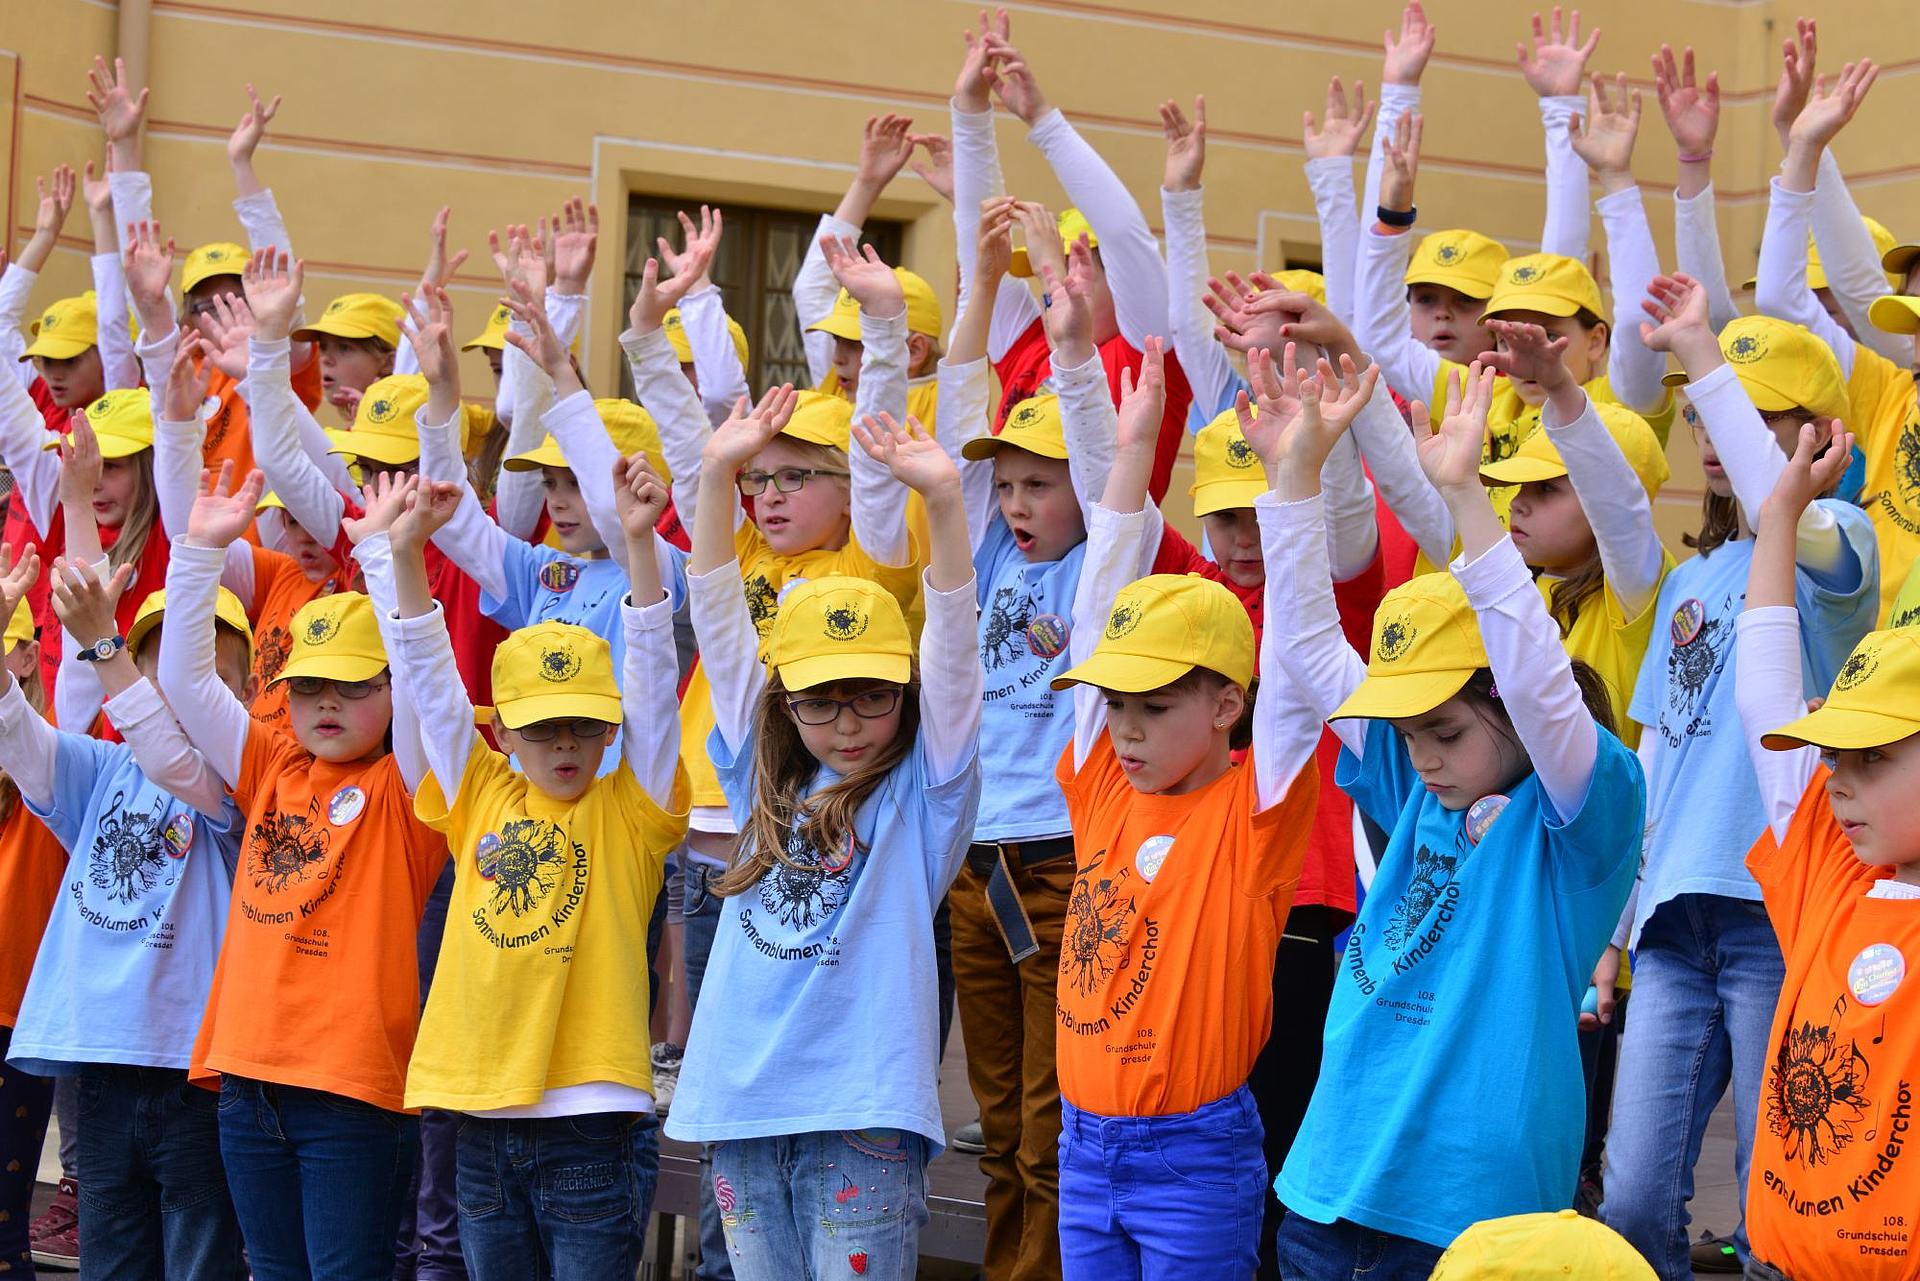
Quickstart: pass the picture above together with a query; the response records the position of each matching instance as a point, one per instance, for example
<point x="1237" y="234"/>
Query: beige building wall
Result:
<point x="396" y="107"/>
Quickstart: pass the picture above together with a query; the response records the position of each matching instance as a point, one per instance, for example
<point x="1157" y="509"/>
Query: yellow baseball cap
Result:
<point x="1301" y="281"/>
<point x="839" y="628"/>
<point x="269" y="502"/>
<point x="356" y="316"/>
<point x="1782" y="366"/>
<point x="1034" y="425"/>
<point x="221" y="258"/>
<point x="226" y="609"/>
<point x="335" y="638"/>
<point x="1226" y="472"/>
<point x="1896" y="313"/>
<point x="1875" y="698"/>
<point x="20" y="628"/>
<point x="1898" y="261"/>
<point x="122" y="422"/>
<point x="821" y="418"/>
<point x="1426" y="645"/>
<point x="1163" y="626"/>
<point x="65" y="329"/>
<point x="1558" y="1245"/>
<point x="1461" y="260"/>
<point x="923" y="310"/>
<point x="1550" y="283"/>
<point x="554" y="671"/>
<point x="1073" y="225"/>
<point x="1537" y="459"/>
<point x="631" y="428"/>
<point x="383" y="428"/>
<point x="494" y="335"/>
<point x="1883" y="244"/>
<point x="676" y="331"/>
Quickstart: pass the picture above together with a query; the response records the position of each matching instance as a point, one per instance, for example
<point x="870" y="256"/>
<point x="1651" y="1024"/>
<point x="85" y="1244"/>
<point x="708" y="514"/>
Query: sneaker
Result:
<point x="666" y="1074"/>
<point x="968" y="1138"/>
<point x="55" y="1235"/>
<point x="1715" y="1254"/>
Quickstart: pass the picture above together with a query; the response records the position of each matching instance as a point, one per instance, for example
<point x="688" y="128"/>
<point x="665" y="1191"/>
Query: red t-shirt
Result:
<point x="1029" y="362"/>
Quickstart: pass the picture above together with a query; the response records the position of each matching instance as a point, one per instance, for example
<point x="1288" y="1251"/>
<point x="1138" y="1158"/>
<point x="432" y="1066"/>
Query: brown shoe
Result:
<point x="55" y="1235"/>
<point x="1714" y="1254"/>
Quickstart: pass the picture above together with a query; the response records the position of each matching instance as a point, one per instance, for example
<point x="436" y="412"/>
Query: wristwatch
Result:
<point x="103" y="649"/>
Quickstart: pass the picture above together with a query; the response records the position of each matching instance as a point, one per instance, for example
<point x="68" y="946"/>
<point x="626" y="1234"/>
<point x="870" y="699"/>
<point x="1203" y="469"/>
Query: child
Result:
<point x="1707" y="965"/>
<point x="854" y="781"/>
<point x="313" y="1008"/>
<point x="1474" y="740"/>
<point x="1839" y="866"/>
<point x="565" y="864"/>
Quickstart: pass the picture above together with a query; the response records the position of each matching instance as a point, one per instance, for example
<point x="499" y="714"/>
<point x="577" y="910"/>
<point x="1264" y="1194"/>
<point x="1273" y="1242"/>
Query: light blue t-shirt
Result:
<point x="820" y="1008"/>
<point x="1450" y="1042"/>
<point x="1026" y="613"/>
<point x="1703" y="803"/>
<point x="128" y="955"/>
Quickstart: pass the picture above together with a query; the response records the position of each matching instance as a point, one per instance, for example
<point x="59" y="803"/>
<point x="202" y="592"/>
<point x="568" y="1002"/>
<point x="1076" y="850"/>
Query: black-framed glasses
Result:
<point x="308" y="686"/>
<point x="786" y="480"/>
<point x="870" y="705"/>
<point x="583" y="728"/>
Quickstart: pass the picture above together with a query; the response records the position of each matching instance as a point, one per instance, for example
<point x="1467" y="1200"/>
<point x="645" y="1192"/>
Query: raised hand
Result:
<point x="937" y="169"/>
<point x="1806" y="476"/>
<point x="425" y="511"/>
<point x="16" y="577"/>
<point x="1407" y="54"/>
<point x="993" y="251"/>
<point x="187" y="384"/>
<point x="885" y="144"/>
<point x="226" y="325"/>
<point x="440" y="267"/>
<point x="703" y="246"/>
<point x="80" y="465"/>
<point x="1831" y="106"/>
<point x="1557" y="61"/>
<point x="272" y="286"/>
<point x="1186" y="144"/>
<point x="221" y="514"/>
<point x="1605" y="138"/>
<point x="246" y="136"/>
<point x="861" y="273"/>
<point x="910" y="452"/>
<point x="576" y="239"/>
<point x="1691" y="106"/>
<point x="1014" y="84"/>
<point x="381" y="503"/>
<point x="1344" y="124"/>
<point x="1678" y="306"/>
<point x="112" y="100"/>
<point x="98" y="193"/>
<point x="520" y="260"/>
<point x="1799" y="53"/>
<point x="85" y="600"/>
<point x="1526" y="353"/>
<point x="148" y="263"/>
<point x="55" y="203"/>
<point x="1041" y="232"/>
<point x="1070" y="306"/>
<point x="431" y="333"/>
<point x="1450" y="456"/>
<point x="639" y="495"/>
<point x="1400" y="162"/>
<point x="1143" y="402"/>
<point x="544" y="348"/>
<point x="977" y="73"/>
<point x="748" y="429"/>
<point x="1241" y="328"/>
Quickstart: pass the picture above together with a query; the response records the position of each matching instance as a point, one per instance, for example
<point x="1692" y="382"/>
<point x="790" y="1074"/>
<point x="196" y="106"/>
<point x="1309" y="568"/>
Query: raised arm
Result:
<point x="976" y="179"/>
<point x="1204" y="361"/>
<point x="273" y="292"/>
<point x="1851" y="260"/>
<point x="1330" y="145"/>
<point x="433" y="725"/>
<point x="29" y="746"/>
<point x="1382" y="320"/>
<point x="716" y="361"/>
<point x="885" y="145"/>
<point x="1387" y="445"/>
<point x="1555" y="68"/>
<point x="1606" y="144"/>
<point x="1400" y="71"/>
<point x="1691" y="106"/>
<point x="115" y="332"/>
<point x="663" y="391"/>
<point x="650" y="729"/>
<point x="965" y="379"/>
<point x="878" y="506"/>
<point x="1086" y="399"/>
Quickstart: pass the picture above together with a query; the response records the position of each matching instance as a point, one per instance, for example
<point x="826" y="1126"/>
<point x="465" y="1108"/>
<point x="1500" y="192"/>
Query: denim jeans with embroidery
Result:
<point x="700" y="912"/>
<point x="806" y="1207"/>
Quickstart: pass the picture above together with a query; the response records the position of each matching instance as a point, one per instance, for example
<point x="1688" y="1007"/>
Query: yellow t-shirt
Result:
<point x="541" y="983"/>
<point x="1885" y="420"/>
<point x="1906" y="605"/>
<point x="1612" y="644"/>
<point x="767" y="574"/>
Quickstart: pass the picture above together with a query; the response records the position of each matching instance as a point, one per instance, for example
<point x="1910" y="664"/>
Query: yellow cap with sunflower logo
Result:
<point x="676" y="331"/>
<point x="820" y="418"/>
<point x="1426" y="646"/>
<point x="122" y="421"/>
<point x="1226" y="472"/>
<point x="839" y="628"/>
<point x="1782" y="366"/>
<point x="335" y="638"/>
<point x="1552" y="1245"/>
<point x="631" y="427"/>
<point x="227" y="610"/>
<point x="1072" y="224"/>
<point x="495" y="334"/>
<point x="1875" y="699"/>
<point x="1464" y="261"/>
<point x="1550" y="283"/>
<point x="383" y="426"/>
<point x="65" y="329"/>
<point x="221" y="258"/>
<point x="923" y="310"/>
<point x="356" y="316"/>
<point x="1163" y="626"/>
<point x="554" y="671"/>
<point x="20" y="628"/>
<point x="1034" y="425"/>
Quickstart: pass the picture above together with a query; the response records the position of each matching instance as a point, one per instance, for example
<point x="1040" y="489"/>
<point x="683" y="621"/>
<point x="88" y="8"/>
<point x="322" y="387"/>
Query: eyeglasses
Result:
<point x="308" y="686"/>
<point x="581" y="728"/>
<point x="786" y="480"/>
<point x="868" y="706"/>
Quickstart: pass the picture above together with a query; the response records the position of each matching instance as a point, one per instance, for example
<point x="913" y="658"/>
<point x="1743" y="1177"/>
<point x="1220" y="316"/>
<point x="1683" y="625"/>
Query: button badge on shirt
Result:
<point x="1876" y="972"/>
<point x="559" y="575"/>
<point x="1151" y="855"/>
<point x="1047" y="635"/>
<point x="486" y="855"/>
<point x="1688" y="620"/>
<point x="346" y="805"/>
<point x="178" y="834"/>
<point x="1481" y="815"/>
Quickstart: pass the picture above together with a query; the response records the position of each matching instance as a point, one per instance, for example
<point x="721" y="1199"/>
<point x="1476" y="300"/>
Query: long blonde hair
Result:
<point x="142" y="511"/>
<point x="782" y="770"/>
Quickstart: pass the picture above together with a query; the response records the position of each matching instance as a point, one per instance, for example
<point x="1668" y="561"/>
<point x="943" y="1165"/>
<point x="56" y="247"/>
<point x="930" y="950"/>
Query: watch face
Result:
<point x="103" y="649"/>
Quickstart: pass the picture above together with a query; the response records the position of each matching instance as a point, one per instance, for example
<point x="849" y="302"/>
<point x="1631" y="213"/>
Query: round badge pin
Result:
<point x="1688" y="620"/>
<point x="345" y="806"/>
<point x="1151" y="856"/>
<point x="1047" y="635"/>
<point x="486" y="855"/>
<point x="1876" y="972"/>
<point x="1481" y="815"/>
<point x="559" y="575"/>
<point x="178" y="835"/>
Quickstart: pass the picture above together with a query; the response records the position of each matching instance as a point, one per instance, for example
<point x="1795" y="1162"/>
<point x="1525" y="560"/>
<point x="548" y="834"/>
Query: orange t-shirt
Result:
<point x="33" y="863"/>
<point x="280" y="588"/>
<point x="317" y="984"/>
<point x="1835" y="1181"/>
<point x="230" y="427"/>
<point x="1166" y="966"/>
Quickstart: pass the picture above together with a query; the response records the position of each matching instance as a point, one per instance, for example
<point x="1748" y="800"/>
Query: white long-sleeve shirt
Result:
<point x="1615" y="503"/>
<point x="1203" y="359"/>
<point x="716" y="361"/>
<point x="524" y="394"/>
<point x="666" y="395"/>
<point x="814" y="292"/>
<point x="1330" y="178"/>
<point x="976" y="178"/>
<point x="1565" y="230"/>
<point x="878" y="502"/>
<point x="1696" y="245"/>
<point x="282" y="428"/>
<point x="1633" y="370"/>
<point x="1851" y="261"/>
<point x="1767" y="690"/>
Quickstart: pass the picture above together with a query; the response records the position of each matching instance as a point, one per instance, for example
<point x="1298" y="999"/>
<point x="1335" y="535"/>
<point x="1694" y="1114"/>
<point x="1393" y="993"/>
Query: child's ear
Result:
<point x="1230" y="703"/>
<point x="919" y="347"/>
<point x="250" y="689"/>
<point x="1597" y="339"/>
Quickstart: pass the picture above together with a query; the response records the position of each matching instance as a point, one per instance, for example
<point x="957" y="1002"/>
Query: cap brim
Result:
<point x="1225" y="495"/>
<point x="1476" y="288"/>
<point x="1548" y="304"/>
<point x="336" y="329"/>
<point x="1520" y="471"/>
<point x="816" y="438"/>
<point x="823" y="669"/>
<point x="1841" y="729"/>
<point x="521" y="712"/>
<point x="1899" y="260"/>
<point x="1128" y="673"/>
<point x="392" y="450"/>
<point x="1895" y="314"/>
<point x="491" y="342"/>
<point x="332" y="667"/>
<point x="535" y="459"/>
<point x="190" y="283"/>
<point x="981" y="448"/>
<point x="1392" y="697"/>
<point x="1020" y="265"/>
<point x="839" y="325"/>
<point x="56" y="348"/>
<point x="112" y="444"/>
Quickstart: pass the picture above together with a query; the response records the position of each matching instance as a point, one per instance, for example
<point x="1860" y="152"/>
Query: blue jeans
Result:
<point x="319" y="1180"/>
<point x="25" y="1101"/>
<point x="809" y="1207"/>
<point x="429" y="1248"/>
<point x="564" y="1196"/>
<point x="153" y="1194"/>
<point x="1343" y="1251"/>
<point x="700" y="909"/>
<point x="1144" y="1198"/>
<point x="1706" y="977"/>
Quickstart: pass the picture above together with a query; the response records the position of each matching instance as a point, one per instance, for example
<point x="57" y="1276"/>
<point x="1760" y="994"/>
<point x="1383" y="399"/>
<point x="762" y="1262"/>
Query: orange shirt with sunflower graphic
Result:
<point x="1835" y="1182"/>
<point x="1166" y="965"/>
<point x="280" y="588"/>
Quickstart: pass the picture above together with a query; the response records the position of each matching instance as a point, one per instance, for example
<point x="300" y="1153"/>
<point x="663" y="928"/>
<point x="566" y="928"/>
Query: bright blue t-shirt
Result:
<point x="1450" y="1042"/>
<point x="1703" y="803"/>
<point x="1026" y="613"/>
<point x="128" y="955"/>
<point x="820" y="1008"/>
